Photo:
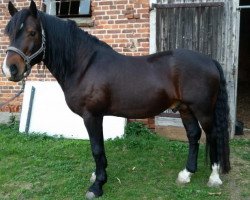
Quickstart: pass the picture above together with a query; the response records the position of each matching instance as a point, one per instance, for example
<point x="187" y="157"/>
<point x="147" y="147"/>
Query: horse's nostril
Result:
<point x="13" y="70"/>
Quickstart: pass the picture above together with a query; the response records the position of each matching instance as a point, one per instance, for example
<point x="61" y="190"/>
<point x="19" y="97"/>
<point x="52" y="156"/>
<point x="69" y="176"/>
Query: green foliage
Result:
<point x="137" y="135"/>
<point x="136" y="128"/>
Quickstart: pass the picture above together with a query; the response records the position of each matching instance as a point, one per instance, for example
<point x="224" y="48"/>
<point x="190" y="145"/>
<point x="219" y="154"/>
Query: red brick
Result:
<point x="106" y="3"/>
<point x="116" y="22"/>
<point x="114" y="31"/>
<point x="124" y="2"/>
<point x="113" y="12"/>
<point x="130" y="16"/>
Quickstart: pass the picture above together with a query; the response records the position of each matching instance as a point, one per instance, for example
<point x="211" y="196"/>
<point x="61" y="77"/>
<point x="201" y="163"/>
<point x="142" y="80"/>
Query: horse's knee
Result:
<point x="194" y="135"/>
<point x="97" y="150"/>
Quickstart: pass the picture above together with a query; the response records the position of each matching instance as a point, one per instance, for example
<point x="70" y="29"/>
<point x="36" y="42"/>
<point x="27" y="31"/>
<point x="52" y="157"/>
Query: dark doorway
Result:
<point x="243" y="99"/>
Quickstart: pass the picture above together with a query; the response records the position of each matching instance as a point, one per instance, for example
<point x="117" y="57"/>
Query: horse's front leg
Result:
<point x="94" y="128"/>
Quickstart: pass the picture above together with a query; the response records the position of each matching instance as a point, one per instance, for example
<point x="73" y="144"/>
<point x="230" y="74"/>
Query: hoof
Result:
<point x="90" y="195"/>
<point x="214" y="179"/>
<point x="214" y="182"/>
<point x="184" y="177"/>
<point x="92" y="178"/>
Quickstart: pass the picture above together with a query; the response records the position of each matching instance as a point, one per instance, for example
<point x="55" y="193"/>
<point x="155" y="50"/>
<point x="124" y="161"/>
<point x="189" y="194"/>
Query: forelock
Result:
<point x="15" y="23"/>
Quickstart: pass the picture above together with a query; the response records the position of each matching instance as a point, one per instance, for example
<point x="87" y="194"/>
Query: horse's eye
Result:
<point x="32" y="33"/>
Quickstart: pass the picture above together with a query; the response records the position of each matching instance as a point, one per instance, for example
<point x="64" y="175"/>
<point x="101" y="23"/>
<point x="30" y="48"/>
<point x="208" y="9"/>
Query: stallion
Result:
<point x="98" y="81"/>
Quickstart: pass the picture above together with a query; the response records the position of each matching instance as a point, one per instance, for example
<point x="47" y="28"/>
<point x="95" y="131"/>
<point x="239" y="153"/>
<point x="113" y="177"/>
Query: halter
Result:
<point x="28" y="59"/>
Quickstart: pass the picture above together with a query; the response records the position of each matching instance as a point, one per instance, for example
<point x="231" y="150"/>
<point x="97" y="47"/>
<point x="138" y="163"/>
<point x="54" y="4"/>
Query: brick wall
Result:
<point x="123" y="24"/>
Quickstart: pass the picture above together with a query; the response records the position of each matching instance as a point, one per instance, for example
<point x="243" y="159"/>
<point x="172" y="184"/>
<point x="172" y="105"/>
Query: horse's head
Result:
<point x="27" y="42"/>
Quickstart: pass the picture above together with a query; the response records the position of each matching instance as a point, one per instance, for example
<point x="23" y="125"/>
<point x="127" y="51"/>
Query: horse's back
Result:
<point x="183" y="59"/>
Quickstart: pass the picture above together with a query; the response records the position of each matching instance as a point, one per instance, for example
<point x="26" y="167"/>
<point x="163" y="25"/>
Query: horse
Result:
<point x="98" y="81"/>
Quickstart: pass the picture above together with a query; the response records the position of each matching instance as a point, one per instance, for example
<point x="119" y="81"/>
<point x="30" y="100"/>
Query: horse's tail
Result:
<point x="221" y="123"/>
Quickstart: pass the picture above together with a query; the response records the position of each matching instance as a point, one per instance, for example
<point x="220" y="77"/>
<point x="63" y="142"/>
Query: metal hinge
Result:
<point x="243" y="7"/>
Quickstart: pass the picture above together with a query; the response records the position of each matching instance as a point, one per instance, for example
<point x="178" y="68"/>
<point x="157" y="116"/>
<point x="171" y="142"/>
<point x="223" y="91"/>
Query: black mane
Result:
<point x="63" y="39"/>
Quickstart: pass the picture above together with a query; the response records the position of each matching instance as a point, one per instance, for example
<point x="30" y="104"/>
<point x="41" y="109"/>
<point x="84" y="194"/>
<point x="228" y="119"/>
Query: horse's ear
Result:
<point x="33" y="8"/>
<point x="12" y="9"/>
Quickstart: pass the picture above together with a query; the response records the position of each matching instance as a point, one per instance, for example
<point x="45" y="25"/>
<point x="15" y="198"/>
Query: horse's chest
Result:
<point x="80" y="102"/>
<point x="74" y="103"/>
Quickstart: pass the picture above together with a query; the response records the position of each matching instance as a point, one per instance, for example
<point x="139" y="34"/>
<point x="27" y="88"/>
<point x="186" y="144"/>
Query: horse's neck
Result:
<point x="62" y="56"/>
<point x="82" y="58"/>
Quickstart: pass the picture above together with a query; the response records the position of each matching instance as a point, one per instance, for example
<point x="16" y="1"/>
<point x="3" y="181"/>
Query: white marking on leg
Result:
<point x="184" y="176"/>
<point x="214" y="179"/>
<point x="6" y="69"/>
<point x="92" y="178"/>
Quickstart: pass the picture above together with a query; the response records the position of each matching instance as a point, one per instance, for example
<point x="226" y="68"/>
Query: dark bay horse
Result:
<point x="98" y="81"/>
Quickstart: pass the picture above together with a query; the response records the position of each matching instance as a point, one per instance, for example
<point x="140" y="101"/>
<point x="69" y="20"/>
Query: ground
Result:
<point x="238" y="181"/>
<point x="141" y="166"/>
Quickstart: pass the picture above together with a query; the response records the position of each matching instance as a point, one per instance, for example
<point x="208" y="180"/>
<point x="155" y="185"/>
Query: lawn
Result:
<point x="143" y="166"/>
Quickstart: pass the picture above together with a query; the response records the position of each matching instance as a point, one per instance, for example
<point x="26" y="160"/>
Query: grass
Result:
<point x="141" y="166"/>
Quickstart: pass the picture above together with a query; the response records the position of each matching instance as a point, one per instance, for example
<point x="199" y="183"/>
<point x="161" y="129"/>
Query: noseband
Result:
<point x="28" y="59"/>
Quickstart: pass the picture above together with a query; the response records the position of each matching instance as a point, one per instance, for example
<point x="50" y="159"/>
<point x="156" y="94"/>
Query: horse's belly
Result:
<point x="139" y="107"/>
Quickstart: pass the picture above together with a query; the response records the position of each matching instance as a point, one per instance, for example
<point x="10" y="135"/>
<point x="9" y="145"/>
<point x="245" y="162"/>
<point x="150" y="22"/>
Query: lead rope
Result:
<point x="16" y="95"/>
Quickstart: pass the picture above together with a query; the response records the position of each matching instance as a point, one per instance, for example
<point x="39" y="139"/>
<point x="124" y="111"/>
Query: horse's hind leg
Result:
<point x="193" y="133"/>
<point x="207" y="125"/>
<point x="95" y="131"/>
<point x="206" y="120"/>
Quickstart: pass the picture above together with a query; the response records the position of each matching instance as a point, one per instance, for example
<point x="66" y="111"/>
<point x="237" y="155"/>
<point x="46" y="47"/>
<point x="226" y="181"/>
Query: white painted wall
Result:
<point x="152" y="38"/>
<point x="51" y="115"/>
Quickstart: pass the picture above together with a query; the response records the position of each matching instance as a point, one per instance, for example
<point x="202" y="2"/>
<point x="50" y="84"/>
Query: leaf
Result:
<point x="214" y="193"/>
